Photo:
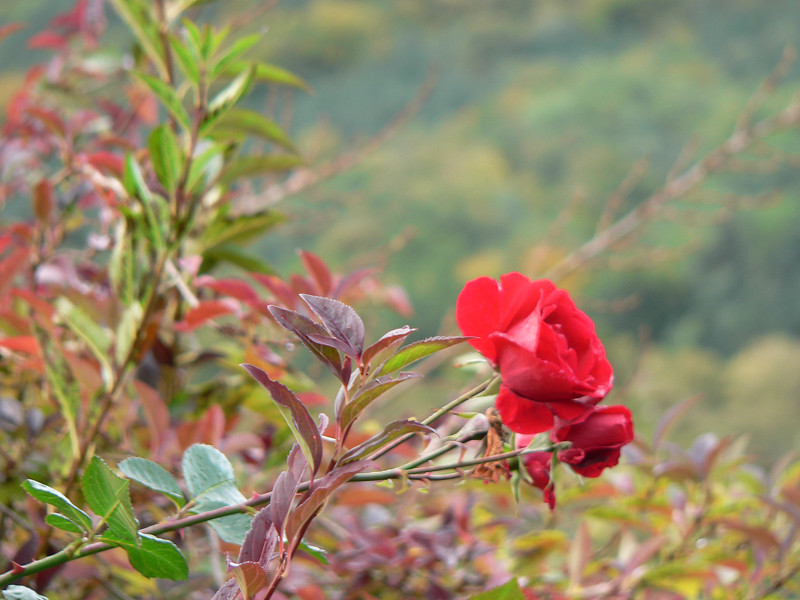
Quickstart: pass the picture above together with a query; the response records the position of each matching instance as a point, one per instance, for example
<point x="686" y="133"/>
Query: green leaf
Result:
<point x="153" y="476"/>
<point x="44" y="493"/>
<point x="135" y="14"/>
<point x="369" y="393"/>
<point x="232" y="528"/>
<point x="152" y="556"/>
<point x="233" y="53"/>
<point x="252" y="166"/>
<point x="169" y="98"/>
<point x="508" y="591"/>
<point x="166" y="156"/>
<point x="239" y="121"/>
<point x="207" y="42"/>
<point x="206" y="165"/>
<point x="233" y="254"/>
<point x="413" y="352"/>
<point x="68" y="396"/>
<point x="210" y="478"/>
<point x="107" y="495"/>
<point x="314" y="551"/>
<point x="20" y="592"/>
<point x="126" y="331"/>
<point x="59" y="521"/>
<point x="96" y="337"/>
<point x="194" y="39"/>
<point x="225" y="230"/>
<point x="270" y="73"/>
<point x="136" y="186"/>
<point x="227" y="98"/>
<point x="186" y="60"/>
<point x="120" y="264"/>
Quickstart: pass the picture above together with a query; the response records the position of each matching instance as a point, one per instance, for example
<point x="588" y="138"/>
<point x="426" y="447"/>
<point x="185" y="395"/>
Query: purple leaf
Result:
<point x="260" y="541"/>
<point x="342" y="321"/>
<point x="250" y="577"/>
<point x="300" y="422"/>
<point x="285" y="488"/>
<point x="326" y="340"/>
<point x="318" y="496"/>
<point x="351" y="280"/>
<point x="385" y="347"/>
<point x="417" y="350"/>
<point x="303" y="328"/>
<point x="390" y="433"/>
<point x="229" y="591"/>
<point x="371" y="392"/>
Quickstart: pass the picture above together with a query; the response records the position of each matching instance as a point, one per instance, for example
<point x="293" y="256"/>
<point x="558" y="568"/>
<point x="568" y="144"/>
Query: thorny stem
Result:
<point x="455" y="403"/>
<point x="419" y="473"/>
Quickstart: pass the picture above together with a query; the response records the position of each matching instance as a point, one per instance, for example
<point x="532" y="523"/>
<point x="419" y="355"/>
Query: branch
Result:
<point x="741" y="139"/>
<point x="69" y="553"/>
<point x="303" y="179"/>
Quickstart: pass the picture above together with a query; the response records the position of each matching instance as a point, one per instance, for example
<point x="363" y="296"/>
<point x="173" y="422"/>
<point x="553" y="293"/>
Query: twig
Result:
<point x="740" y="140"/>
<point x="303" y="179"/>
<point x="420" y="473"/>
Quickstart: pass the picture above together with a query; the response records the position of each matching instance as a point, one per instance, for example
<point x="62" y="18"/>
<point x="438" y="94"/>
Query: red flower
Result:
<point x="537" y="464"/>
<point x="596" y="438"/>
<point x="546" y="350"/>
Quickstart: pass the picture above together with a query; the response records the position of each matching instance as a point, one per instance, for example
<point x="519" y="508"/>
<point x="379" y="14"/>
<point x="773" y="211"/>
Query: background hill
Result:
<point x="535" y="104"/>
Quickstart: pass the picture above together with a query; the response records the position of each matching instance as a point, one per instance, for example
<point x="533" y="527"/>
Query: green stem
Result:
<point x="69" y="554"/>
<point x="438" y="415"/>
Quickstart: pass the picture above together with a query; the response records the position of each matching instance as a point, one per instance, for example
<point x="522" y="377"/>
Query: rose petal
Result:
<point x="522" y="415"/>
<point x="478" y="313"/>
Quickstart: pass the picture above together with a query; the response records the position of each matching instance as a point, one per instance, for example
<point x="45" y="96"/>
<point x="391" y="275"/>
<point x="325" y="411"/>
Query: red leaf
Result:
<point x="351" y="280"/>
<point x="204" y="312"/>
<point x="47" y="39"/>
<point x="11" y="266"/>
<point x="155" y="412"/>
<point x="282" y="292"/>
<point x="318" y="271"/>
<point x="21" y="343"/>
<point x="211" y="427"/>
<point x="312" y="398"/>
<point x="301" y="285"/>
<point x="106" y="161"/>
<point x="43" y="200"/>
<point x="49" y="119"/>
<point x="397" y="298"/>
<point x="7" y="30"/>
<point x="235" y="288"/>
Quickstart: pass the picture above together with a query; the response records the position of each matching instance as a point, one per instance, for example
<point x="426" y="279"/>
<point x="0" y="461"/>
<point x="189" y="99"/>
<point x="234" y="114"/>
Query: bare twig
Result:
<point x="303" y="179"/>
<point x="716" y="160"/>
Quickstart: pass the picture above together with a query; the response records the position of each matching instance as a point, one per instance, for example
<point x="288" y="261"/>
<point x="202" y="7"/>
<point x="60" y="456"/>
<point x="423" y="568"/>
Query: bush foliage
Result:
<point x="158" y="374"/>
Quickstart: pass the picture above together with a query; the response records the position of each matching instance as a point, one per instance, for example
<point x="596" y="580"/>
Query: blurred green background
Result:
<point x="534" y="104"/>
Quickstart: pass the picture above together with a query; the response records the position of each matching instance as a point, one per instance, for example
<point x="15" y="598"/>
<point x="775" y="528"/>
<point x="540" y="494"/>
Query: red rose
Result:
<point x="537" y="464"/>
<point x="596" y="438"/>
<point x="546" y="350"/>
